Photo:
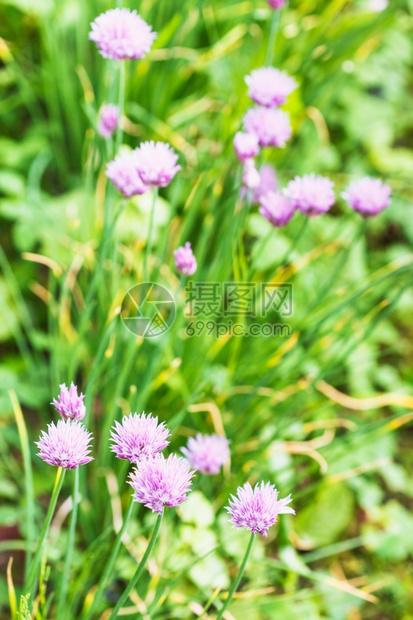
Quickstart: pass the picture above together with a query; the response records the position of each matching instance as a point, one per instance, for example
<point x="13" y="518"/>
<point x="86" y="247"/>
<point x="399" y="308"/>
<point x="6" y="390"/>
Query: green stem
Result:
<point x="121" y="104"/>
<point x="295" y="240"/>
<point x="342" y="259"/>
<point x="260" y="248"/>
<point x="238" y="578"/>
<point x="111" y="562"/>
<point x="149" y="239"/>
<point x="275" y="22"/>
<point x="61" y="605"/>
<point x="139" y="570"/>
<point x="30" y="584"/>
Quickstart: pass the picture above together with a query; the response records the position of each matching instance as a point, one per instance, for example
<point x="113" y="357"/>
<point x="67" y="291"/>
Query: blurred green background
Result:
<point x="325" y="414"/>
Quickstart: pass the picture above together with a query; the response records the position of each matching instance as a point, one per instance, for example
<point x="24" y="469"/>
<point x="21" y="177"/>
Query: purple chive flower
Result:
<point x="250" y="175"/>
<point x="65" y="444"/>
<point x="124" y="175"/>
<point x="276" y="209"/>
<point x="139" y="437"/>
<point x="277" y="4"/>
<point x="368" y="196"/>
<point x="272" y="127"/>
<point x="268" y="183"/>
<point x="246" y="145"/>
<point x="69" y="404"/>
<point x="185" y="261"/>
<point x="161" y="482"/>
<point x="207" y="453"/>
<point x="156" y="163"/>
<point x="257" y="509"/>
<point x="121" y="34"/>
<point x="269" y="87"/>
<point x="108" y="120"/>
<point x="311" y="194"/>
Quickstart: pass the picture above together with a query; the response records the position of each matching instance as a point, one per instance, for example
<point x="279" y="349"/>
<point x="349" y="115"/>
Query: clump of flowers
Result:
<point x="121" y="34"/>
<point x="257" y="509"/>
<point x="66" y="444"/>
<point x="271" y="126"/>
<point x="123" y="173"/>
<point x="185" y="261"/>
<point x="368" y="196"/>
<point x="156" y="163"/>
<point x="108" y="120"/>
<point x="138" y="437"/>
<point x="246" y="146"/>
<point x="311" y="194"/>
<point x="269" y="87"/>
<point x="207" y="453"/>
<point x="69" y="404"/>
<point x="276" y="209"/>
<point x="161" y="482"/>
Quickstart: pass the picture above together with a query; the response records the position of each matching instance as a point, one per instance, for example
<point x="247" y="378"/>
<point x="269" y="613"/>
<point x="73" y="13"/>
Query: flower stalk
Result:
<point x="111" y="562"/>
<point x="61" y="605"/>
<point x="30" y="583"/>
<point x="149" y="239"/>
<point x="139" y="570"/>
<point x="238" y="578"/>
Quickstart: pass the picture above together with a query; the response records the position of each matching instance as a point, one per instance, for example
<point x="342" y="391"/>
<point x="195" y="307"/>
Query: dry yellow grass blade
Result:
<point x="309" y="427"/>
<point x="287" y="346"/>
<point x="65" y="321"/>
<point x="307" y="448"/>
<point x="163" y="377"/>
<point x="356" y="471"/>
<point x="274" y="395"/>
<point x="320" y="124"/>
<point x="284" y="273"/>
<point x="11" y="590"/>
<point x="214" y="412"/>
<point x="43" y="260"/>
<point x="363" y="404"/>
<point x="345" y="586"/>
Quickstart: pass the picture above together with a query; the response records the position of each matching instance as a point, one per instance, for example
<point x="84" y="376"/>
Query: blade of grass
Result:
<point x="28" y="477"/>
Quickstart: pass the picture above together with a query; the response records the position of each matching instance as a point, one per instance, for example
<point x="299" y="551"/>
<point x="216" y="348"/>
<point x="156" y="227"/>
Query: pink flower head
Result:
<point x="139" y="437"/>
<point x="250" y="175"/>
<point x="156" y="163"/>
<point x="271" y="126"/>
<point x="69" y="404"/>
<point x="207" y="453"/>
<point x="185" y="261"/>
<point x="311" y="194"/>
<point x="269" y="87"/>
<point x="121" y="34"/>
<point x="246" y="145"/>
<point x="268" y="183"/>
<point x="368" y="196"/>
<point x="277" y="4"/>
<point x="161" y="482"/>
<point x="276" y="209"/>
<point x="108" y="121"/>
<point x="257" y="509"/>
<point x="65" y="444"/>
<point x="124" y="175"/>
